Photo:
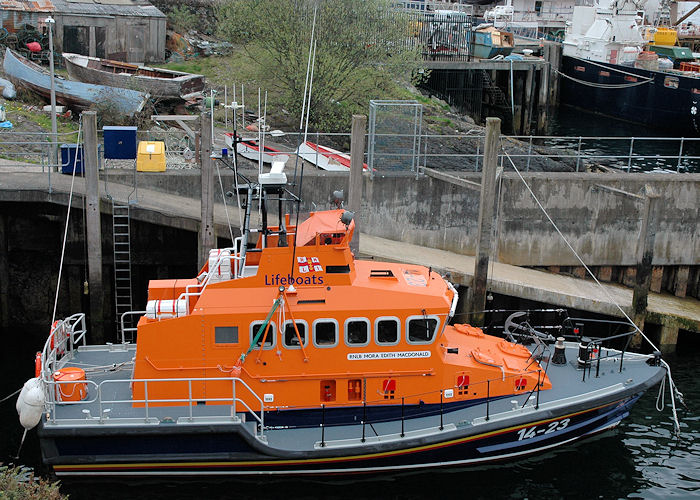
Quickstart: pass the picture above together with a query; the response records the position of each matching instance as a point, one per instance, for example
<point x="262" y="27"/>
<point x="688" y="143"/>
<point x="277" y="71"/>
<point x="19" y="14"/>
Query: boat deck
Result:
<point x="109" y="368"/>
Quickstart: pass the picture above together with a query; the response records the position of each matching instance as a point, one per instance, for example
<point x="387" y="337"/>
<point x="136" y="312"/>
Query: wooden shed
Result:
<point x="125" y="30"/>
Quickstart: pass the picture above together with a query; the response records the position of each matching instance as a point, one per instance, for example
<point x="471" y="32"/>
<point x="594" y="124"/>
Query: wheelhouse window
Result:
<point x="226" y="334"/>
<point x="325" y="333"/>
<point x="421" y="329"/>
<point x="291" y="340"/>
<point x="269" y="338"/>
<point x="357" y="331"/>
<point x="386" y="331"/>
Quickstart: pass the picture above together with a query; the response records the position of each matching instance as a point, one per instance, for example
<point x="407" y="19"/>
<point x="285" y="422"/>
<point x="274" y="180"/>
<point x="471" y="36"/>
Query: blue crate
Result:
<point x="120" y="143"/>
<point x="68" y="157"/>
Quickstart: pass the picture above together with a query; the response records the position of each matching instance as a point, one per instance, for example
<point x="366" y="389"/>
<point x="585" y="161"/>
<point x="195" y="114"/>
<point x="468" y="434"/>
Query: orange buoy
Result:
<point x="37" y="365"/>
<point x="71" y="384"/>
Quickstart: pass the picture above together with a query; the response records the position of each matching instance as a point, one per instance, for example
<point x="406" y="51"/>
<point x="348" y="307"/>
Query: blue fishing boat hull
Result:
<point x="79" y="95"/>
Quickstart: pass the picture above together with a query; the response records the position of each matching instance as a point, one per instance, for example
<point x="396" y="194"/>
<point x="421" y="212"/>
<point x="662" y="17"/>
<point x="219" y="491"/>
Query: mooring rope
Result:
<point x="605" y="85"/>
<point x="10" y="395"/>
<point x="672" y="386"/>
<point x="65" y="232"/>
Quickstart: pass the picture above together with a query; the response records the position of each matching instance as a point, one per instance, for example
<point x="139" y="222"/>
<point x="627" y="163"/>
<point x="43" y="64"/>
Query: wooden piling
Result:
<point x="517" y="103"/>
<point x="4" y="274"/>
<point x="527" y="103"/>
<point x="477" y="294"/>
<point x="93" y="230"/>
<point x="207" y="235"/>
<point x="645" y="255"/>
<point x="357" y="156"/>
<point x="542" y="101"/>
<point x="669" y="338"/>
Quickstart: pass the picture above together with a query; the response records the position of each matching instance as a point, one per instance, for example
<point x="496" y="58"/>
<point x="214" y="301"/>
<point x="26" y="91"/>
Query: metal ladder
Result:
<point x="122" y="260"/>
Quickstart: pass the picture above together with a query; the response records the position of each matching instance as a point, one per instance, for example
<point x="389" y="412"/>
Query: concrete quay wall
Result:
<point x="423" y="210"/>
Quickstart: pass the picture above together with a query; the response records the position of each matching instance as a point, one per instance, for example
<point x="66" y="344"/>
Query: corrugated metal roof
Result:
<point x="27" y="5"/>
<point x="138" y="8"/>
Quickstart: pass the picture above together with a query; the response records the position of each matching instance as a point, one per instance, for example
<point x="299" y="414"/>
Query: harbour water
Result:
<point x="573" y="123"/>
<point x="640" y="459"/>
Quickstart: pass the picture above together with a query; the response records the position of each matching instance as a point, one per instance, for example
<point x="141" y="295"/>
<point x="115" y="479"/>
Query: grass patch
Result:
<point x="40" y="118"/>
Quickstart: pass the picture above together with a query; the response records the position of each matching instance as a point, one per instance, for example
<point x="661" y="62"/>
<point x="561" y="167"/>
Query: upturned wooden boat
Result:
<point x="158" y="82"/>
<point x="286" y="355"/>
<point x="78" y="95"/>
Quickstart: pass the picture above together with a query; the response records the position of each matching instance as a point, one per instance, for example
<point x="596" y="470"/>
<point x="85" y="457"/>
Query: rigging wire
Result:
<point x="223" y="197"/>
<point x="65" y="232"/>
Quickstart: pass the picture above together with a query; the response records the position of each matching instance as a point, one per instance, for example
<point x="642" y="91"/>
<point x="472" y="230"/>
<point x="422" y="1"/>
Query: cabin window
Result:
<point x="226" y="334"/>
<point x="290" y="336"/>
<point x="325" y="333"/>
<point x="344" y="269"/>
<point x="269" y="337"/>
<point x="421" y="329"/>
<point x="357" y="331"/>
<point x="386" y="331"/>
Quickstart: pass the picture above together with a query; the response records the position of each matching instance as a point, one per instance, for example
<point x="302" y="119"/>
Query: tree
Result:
<point x="360" y="46"/>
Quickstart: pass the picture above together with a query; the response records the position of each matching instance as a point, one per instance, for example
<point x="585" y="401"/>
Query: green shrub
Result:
<point x="19" y="483"/>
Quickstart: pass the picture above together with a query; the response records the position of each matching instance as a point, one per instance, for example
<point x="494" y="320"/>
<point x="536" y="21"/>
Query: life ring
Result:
<point x="37" y="365"/>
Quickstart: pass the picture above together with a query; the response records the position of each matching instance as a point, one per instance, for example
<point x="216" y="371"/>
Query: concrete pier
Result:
<point x="394" y="217"/>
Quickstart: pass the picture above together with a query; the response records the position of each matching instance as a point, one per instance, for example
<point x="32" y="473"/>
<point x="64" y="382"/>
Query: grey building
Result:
<point x="125" y="30"/>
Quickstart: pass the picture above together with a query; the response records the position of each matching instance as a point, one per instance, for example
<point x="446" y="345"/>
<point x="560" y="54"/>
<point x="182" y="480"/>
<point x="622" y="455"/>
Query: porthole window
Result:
<point x="386" y="331"/>
<point x="291" y="340"/>
<point x="325" y="333"/>
<point x="270" y="337"/>
<point x="357" y="331"/>
<point x="421" y="329"/>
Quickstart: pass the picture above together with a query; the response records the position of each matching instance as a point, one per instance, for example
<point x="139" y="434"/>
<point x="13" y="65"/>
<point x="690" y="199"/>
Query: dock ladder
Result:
<point x="122" y="259"/>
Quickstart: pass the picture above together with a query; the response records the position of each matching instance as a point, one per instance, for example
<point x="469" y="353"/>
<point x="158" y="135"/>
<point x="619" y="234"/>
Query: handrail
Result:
<point x="100" y="390"/>
<point x="131" y="328"/>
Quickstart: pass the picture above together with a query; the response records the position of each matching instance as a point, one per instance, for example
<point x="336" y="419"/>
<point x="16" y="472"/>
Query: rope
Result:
<point x="65" y="232"/>
<point x="611" y="69"/>
<point x="10" y="395"/>
<point x="675" y="393"/>
<point x="605" y="85"/>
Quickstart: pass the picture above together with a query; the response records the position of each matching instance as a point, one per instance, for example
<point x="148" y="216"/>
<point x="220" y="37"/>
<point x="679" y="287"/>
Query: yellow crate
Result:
<point x="665" y="36"/>
<point x="151" y="156"/>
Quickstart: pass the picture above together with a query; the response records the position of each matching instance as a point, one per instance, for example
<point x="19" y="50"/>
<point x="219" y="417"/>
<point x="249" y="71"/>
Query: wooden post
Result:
<point x="4" y="274"/>
<point x="527" y="103"/>
<point x="207" y="236"/>
<point x="477" y="295"/>
<point x="518" y="100"/>
<point x="542" y="100"/>
<point x="94" y="229"/>
<point x="645" y="255"/>
<point x="357" y="156"/>
<point x="669" y="338"/>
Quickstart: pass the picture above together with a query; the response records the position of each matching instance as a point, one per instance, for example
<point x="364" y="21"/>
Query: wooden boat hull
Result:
<point x="77" y="95"/>
<point x="159" y="83"/>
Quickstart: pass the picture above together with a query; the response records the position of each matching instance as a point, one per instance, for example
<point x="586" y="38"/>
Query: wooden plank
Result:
<point x="165" y="118"/>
